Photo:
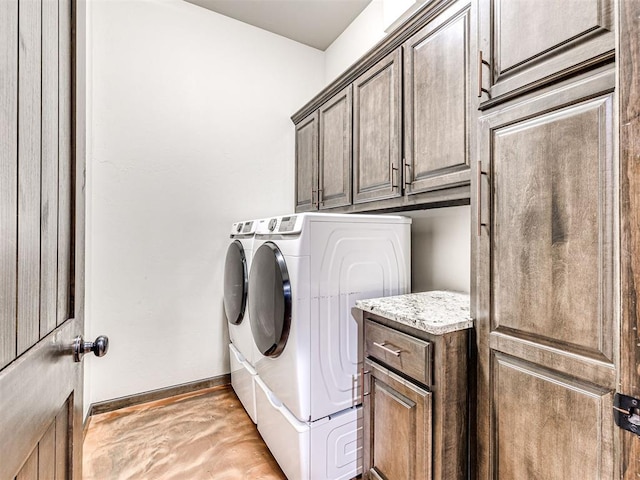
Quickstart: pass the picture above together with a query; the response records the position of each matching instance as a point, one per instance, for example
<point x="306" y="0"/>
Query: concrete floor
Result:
<point x="196" y="436"/>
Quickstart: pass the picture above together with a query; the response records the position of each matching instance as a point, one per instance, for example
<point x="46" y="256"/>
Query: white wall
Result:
<point x="441" y="249"/>
<point x="188" y="130"/>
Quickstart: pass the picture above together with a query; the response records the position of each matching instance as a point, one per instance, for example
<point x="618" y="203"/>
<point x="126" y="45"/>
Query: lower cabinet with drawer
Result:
<point x="415" y="389"/>
<point x="397" y="426"/>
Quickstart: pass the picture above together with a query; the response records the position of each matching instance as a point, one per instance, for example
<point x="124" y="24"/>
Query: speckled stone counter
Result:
<point x="436" y="312"/>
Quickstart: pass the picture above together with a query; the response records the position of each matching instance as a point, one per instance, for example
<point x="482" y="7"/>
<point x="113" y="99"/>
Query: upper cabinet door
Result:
<point x="335" y="151"/>
<point x="526" y="43"/>
<point x="307" y="164"/>
<point x="377" y="121"/>
<point x="437" y="107"/>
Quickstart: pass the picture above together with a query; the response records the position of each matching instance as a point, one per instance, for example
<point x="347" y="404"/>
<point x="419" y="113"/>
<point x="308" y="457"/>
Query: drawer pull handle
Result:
<point x="384" y="347"/>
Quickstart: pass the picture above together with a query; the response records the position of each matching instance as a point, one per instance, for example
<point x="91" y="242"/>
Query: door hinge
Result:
<point x="626" y="413"/>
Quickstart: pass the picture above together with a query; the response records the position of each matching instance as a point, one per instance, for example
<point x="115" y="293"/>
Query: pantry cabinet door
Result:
<point x="526" y="43"/>
<point x="41" y="238"/>
<point x="546" y="316"/>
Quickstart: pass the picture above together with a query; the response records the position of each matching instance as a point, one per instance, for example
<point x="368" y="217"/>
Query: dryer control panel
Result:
<point x="290" y="224"/>
<point x="287" y="224"/>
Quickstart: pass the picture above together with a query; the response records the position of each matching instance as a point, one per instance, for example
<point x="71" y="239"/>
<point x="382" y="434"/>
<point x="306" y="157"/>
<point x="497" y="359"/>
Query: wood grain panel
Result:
<point x="28" y="404"/>
<point x="629" y="121"/>
<point x="47" y="453"/>
<point x="600" y="372"/>
<point x="394" y="422"/>
<point x="65" y="164"/>
<point x="436" y="107"/>
<point x="49" y="165"/>
<point x="29" y="470"/>
<point x="8" y="177"/>
<point x="377" y="156"/>
<point x="334" y="159"/>
<point x="548" y="25"/>
<point x="414" y="355"/>
<point x="569" y="417"/>
<point x="531" y="43"/>
<point x="307" y="163"/>
<point x="63" y="450"/>
<point x="399" y="414"/>
<point x="565" y="170"/>
<point x="553" y="227"/>
<point x="29" y="145"/>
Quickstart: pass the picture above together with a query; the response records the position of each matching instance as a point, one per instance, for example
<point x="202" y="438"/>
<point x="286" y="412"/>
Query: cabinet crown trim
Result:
<point x="392" y="41"/>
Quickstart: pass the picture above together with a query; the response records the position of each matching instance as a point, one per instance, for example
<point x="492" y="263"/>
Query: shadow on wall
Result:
<point x="441" y="249"/>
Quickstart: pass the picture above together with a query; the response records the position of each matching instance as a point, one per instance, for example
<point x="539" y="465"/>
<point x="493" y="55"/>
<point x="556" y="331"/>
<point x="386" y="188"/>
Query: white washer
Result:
<point x="307" y="272"/>
<point x="242" y="349"/>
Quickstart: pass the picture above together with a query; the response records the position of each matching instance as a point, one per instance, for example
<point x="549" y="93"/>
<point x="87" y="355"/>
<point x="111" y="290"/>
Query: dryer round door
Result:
<point x="235" y="283"/>
<point x="270" y="300"/>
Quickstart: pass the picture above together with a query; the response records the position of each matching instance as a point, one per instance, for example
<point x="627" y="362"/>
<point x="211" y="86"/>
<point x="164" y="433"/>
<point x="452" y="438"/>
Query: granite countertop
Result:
<point x="436" y="312"/>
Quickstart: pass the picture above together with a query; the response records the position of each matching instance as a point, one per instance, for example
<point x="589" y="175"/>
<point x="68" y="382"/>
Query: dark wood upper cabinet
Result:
<point x="437" y="110"/>
<point x="528" y="43"/>
<point x="362" y="148"/>
<point x="377" y="124"/>
<point x="334" y="162"/>
<point x="307" y="164"/>
<point x="323" y="156"/>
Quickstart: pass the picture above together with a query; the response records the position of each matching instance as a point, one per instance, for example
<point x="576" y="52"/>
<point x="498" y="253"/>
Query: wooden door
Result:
<point x="307" y="164"/>
<point x="397" y="429"/>
<point x="41" y="243"/>
<point x="527" y="43"/>
<point x="546" y="317"/>
<point x="437" y="105"/>
<point x="334" y="163"/>
<point x="377" y="127"/>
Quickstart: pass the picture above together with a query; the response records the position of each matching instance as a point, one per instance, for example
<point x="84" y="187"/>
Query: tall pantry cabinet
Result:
<point x="546" y="241"/>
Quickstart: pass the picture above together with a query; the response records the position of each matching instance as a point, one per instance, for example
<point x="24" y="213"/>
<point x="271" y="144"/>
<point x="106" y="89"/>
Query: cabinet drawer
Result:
<point x="406" y="354"/>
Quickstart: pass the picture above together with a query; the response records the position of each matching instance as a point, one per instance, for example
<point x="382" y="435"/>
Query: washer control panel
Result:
<point x="248" y="227"/>
<point x="243" y="229"/>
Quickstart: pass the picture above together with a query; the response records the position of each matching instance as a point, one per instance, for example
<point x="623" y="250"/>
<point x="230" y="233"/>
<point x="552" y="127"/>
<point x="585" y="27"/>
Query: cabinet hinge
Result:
<point x="626" y="413"/>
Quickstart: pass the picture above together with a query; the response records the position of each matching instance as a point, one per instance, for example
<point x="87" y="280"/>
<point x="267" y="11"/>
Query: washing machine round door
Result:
<point x="270" y="300"/>
<point x="235" y="283"/>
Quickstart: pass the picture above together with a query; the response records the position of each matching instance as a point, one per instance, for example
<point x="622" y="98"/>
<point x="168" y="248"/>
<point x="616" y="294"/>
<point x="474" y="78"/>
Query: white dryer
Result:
<point x="307" y="272"/>
<point x="242" y="349"/>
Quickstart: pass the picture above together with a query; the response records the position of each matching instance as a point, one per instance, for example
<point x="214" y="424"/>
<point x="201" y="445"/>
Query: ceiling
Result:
<point x="316" y="23"/>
